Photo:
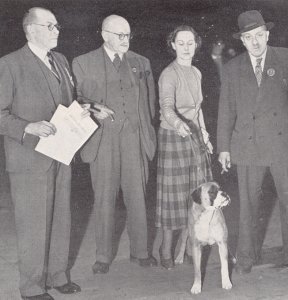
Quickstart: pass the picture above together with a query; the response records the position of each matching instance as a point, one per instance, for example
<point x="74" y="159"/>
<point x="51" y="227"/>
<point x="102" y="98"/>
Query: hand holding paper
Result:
<point x="72" y="132"/>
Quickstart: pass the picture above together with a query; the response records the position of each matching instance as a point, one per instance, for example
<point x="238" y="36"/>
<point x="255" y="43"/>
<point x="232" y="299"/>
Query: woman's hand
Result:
<point x="183" y="129"/>
<point x="210" y="147"/>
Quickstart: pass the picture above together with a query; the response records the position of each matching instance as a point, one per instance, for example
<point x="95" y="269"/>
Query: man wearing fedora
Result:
<point x="253" y="130"/>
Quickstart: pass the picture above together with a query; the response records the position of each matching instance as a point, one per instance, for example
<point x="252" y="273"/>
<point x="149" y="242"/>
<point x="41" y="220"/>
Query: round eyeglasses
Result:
<point x="50" y="26"/>
<point x="121" y="36"/>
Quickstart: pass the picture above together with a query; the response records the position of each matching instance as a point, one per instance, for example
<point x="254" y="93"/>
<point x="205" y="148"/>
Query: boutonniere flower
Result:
<point x="69" y="76"/>
<point x="271" y="72"/>
<point x="134" y="70"/>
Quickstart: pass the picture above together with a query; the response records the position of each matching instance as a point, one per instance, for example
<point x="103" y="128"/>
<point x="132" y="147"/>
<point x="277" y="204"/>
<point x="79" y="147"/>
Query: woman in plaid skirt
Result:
<point x="183" y="158"/>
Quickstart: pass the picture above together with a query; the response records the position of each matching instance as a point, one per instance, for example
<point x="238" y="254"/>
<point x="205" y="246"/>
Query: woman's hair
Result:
<point x="172" y="36"/>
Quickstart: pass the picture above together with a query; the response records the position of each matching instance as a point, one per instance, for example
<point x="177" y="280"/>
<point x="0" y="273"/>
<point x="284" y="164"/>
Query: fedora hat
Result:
<point x="249" y="20"/>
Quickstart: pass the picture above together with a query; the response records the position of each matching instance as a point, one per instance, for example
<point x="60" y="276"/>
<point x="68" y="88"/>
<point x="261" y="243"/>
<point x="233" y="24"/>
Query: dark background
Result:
<point x="150" y="20"/>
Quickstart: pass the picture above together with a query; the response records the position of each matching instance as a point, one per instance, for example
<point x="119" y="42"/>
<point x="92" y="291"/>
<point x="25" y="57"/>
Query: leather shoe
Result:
<point x="144" y="262"/>
<point x="45" y="296"/>
<point x="68" y="288"/>
<point x="100" y="268"/>
<point x="241" y="270"/>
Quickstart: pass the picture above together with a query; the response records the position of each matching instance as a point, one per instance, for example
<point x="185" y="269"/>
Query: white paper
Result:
<point x="72" y="132"/>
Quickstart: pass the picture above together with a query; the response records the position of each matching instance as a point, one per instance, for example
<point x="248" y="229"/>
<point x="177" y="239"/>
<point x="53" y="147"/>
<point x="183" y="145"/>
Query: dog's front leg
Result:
<point x="223" y="253"/>
<point x="180" y="257"/>
<point x="197" y="253"/>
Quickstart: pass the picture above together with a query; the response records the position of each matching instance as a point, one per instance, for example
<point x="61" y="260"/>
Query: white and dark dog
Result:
<point x="206" y="226"/>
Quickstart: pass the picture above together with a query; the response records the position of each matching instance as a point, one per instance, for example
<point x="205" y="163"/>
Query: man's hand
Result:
<point x="224" y="159"/>
<point x="42" y="128"/>
<point x="85" y="113"/>
<point x="102" y="112"/>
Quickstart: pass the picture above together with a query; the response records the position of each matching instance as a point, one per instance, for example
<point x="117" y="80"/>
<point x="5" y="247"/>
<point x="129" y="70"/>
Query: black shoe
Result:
<point x="100" y="268"/>
<point x="68" y="288"/>
<point x="242" y="270"/>
<point x="45" y="296"/>
<point x="144" y="262"/>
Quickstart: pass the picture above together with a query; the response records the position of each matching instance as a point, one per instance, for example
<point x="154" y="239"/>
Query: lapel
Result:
<point x="97" y="71"/>
<point x="65" y="78"/>
<point x="136" y="72"/>
<point x="248" y="83"/>
<point x="267" y="89"/>
<point x="34" y="66"/>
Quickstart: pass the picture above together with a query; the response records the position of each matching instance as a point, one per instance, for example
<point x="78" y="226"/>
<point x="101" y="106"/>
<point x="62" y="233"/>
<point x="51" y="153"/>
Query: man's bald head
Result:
<point x="113" y="21"/>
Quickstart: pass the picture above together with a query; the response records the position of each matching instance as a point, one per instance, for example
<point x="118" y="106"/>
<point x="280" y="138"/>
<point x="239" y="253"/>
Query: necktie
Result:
<point x="117" y="62"/>
<point x="53" y="67"/>
<point x="258" y="71"/>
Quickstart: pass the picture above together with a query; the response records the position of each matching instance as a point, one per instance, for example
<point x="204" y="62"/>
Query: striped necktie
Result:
<point x="258" y="71"/>
<point x="53" y="66"/>
<point x="117" y="62"/>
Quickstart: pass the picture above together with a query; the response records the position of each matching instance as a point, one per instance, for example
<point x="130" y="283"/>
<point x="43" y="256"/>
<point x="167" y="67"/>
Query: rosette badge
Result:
<point x="270" y="72"/>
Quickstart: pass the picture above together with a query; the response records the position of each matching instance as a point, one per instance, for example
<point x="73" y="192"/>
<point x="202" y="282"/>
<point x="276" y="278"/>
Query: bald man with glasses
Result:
<point x="33" y="81"/>
<point x="119" y="84"/>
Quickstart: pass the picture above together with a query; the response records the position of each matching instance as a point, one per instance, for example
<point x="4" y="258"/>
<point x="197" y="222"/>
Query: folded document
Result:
<point x="72" y="132"/>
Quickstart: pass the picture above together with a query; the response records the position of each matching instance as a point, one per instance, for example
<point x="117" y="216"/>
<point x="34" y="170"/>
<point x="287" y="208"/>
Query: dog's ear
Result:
<point x="196" y="195"/>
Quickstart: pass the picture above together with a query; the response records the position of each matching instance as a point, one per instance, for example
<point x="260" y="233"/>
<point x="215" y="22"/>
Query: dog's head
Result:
<point x="209" y="194"/>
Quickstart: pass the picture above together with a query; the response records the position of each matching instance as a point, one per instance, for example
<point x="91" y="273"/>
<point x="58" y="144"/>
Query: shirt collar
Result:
<point x="41" y="53"/>
<point x="111" y="53"/>
<point x="254" y="62"/>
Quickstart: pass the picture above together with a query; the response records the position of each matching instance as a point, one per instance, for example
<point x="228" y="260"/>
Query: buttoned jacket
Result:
<point x="252" y="120"/>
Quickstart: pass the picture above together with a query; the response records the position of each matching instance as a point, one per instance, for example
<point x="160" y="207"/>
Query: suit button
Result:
<point x="280" y="133"/>
<point x="275" y="114"/>
<point x="250" y="138"/>
<point x="253" y="117"/>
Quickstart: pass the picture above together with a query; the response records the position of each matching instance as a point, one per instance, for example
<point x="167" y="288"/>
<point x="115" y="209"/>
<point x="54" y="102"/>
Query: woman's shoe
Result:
<point x="166" y="263"/>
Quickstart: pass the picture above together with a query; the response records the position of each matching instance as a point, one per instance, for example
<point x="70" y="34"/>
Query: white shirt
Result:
<point x="254" y="62"/>
<point x="111" y="53"/>
<point x="40" y="53"/>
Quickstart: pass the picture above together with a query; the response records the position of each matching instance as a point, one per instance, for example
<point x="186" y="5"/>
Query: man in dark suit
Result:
<point x="253" y="129"/>
<point x="120" y="85"/>
<point x="33" y="82"/>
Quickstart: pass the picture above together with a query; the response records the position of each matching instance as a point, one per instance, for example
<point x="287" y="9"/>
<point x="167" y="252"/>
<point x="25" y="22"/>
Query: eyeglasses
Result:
<point x="122" y="36"/>
<point x="50" y="26"/>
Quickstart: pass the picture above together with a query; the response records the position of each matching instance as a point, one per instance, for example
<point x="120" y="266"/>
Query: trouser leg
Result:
<point x="249" y="181"/>
<point x="61" y="227"/>
<point x="133" y="187"/>
<point x="280" y="176"/>
<point x="30" y="194"/>
<point x="105" y="176"/>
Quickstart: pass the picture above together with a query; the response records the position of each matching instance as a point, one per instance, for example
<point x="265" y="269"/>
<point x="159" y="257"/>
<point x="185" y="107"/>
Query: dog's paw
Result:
<point x="196" y="288"/>
<point x="227" y="285"/>
<point x="179" y="260"/>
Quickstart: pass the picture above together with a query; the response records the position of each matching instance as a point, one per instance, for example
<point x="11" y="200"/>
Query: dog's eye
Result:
<point x="212" y="193"/>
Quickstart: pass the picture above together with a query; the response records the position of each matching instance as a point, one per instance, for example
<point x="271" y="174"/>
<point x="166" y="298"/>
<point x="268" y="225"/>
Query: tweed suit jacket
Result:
<point x="90" y="76"/>
<point x="252" y="121"/>
<point x="26" y="96"/>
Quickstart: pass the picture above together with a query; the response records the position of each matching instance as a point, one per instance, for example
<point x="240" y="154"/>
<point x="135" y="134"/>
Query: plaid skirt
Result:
<point x="181" y="167"/>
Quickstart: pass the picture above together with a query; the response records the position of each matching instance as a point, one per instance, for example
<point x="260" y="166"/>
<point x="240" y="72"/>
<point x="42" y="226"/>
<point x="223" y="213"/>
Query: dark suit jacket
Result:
<point x="25" y="97"/>
<point x="252" y="121"/>
<point x="89" y="70"/>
